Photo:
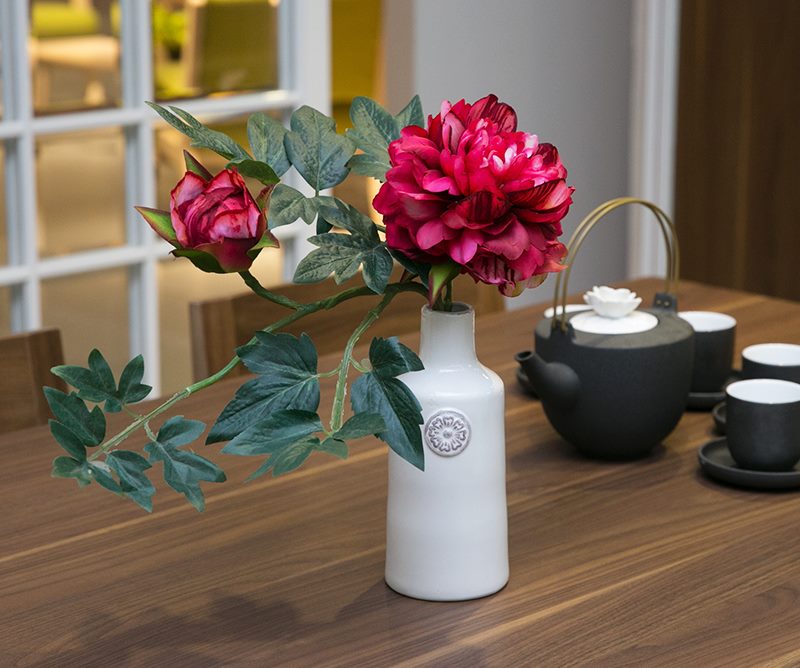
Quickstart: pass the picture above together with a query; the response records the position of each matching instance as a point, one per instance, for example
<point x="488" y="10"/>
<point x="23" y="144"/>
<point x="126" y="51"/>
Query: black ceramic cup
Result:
<point x="714" y="335"/>
<point x="772" y="360"/>
<point x="763" y="423"/>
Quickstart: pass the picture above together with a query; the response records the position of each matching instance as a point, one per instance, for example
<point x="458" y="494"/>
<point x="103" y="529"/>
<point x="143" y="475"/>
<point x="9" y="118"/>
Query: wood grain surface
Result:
<point x="643" y="563"/>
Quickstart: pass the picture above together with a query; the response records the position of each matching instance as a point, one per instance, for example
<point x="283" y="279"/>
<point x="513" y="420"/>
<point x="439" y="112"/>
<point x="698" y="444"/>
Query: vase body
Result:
<point x="447" y="529"/>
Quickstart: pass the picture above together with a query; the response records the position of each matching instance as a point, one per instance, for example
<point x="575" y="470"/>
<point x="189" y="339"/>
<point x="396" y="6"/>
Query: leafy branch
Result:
<point x="77" y="428"/>
<point x="275" y="413"/>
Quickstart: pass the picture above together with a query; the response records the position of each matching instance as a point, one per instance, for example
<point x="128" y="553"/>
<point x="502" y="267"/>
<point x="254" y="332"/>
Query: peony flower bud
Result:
<point x="213" y="221"/>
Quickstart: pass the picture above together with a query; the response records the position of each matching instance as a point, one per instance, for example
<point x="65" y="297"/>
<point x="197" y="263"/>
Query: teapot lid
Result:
<point x="633" y="323"/>
<point x="613" y="312"/>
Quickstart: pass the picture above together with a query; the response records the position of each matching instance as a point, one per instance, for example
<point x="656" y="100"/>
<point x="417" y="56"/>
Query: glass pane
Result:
<point x="5" y="310"/>
<point x="170" y="144"/>
<point x="3" y="230"/>
<point x="179" y="284"/>
<point x="91" y="310"/>
<point x="74" y="51"/>
<point x="81" y="191"/>
<point x="217" y="46"/>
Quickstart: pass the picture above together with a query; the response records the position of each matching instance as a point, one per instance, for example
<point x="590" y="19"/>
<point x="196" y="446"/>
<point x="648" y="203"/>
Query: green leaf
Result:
<point x="71" y="411"/>
<point x="287" y="368"/>
<point x="343" y="254"/>
<point x="267" y="240"/>
<point x="321" y="263"/>
<point x="201" y="136"/>
<point x="101" y="472"/>
<point x="161" y="223"/>
<point x="67" y="440"/>
<point x="292" y="456"/>
<point x="286" y="205"/>
<point x="373" y="130"/>
<point x="178" y="431"/>
<point x="67" y="467"/>
<point x="183" y="470"/>
<point x="377" y="265"/>
<point x="380" y="392"/>
<point x="374" y="164"/>
<point x="203" y="261"/>
<point x="360" y="425"/>
<point x="349" y="218"/>
<point x="105" y="380"/>
<point x="255" y="169"/>
<point x="196" y="167"/>
<point x="390" y="358"/>
<point x="316" y="150"/>
<point x="130" y="468"/>
<point x="96" y="383"/>
<point x="440" y="275"/>
<point x="416" y="268"/>
<point x="266" y="136"/>
<point x="372" y="124"/>
<point x="275" y="432"/>
<point x="411" y="114"/>
<point x="335" y="447"/>
<point x="400" y="410"/>
<point x="131" y="388"/>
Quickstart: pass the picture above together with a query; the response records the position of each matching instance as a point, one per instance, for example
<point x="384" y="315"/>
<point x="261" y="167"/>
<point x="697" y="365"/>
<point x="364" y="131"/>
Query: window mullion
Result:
<point x="26" y="312"/>
<point x="137" y="87"/>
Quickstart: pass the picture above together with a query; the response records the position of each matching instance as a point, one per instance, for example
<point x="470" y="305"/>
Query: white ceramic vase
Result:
<point x="447" y="529"/>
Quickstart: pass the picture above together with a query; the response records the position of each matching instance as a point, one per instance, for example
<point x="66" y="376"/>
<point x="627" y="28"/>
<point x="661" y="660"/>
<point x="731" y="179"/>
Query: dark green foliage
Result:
<point x="133" y="483"/>
<point x="286" y="436"/>
<point x="316" y="150"/>
<point x="379" y="391"/>
<point x="342" y="254"/>
<point x="287" y="368"/>
<point x="96" y="383"/>
<point x="183" y="470"/>
<point x="266" y="136"/>
<point x="373" y="130"/>
<point x="200" y="135"/>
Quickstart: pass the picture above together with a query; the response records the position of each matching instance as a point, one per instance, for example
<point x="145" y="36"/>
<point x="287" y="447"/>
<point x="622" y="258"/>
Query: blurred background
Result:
<point x="692" y="104"/>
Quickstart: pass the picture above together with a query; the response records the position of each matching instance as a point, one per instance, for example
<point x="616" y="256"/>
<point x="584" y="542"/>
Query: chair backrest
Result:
<point x="26" y="360"/>
<point x="218" y="326"/>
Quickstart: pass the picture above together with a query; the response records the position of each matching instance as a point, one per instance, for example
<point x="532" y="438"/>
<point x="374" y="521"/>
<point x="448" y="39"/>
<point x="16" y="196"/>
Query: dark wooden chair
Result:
<point x="218" y="326"/>
<point x="25" y="361"/>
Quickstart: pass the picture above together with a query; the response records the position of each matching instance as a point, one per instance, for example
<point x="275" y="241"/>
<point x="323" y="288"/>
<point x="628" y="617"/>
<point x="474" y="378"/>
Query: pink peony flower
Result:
<point x="473" y="190"/>
<point x="214" y="221"/>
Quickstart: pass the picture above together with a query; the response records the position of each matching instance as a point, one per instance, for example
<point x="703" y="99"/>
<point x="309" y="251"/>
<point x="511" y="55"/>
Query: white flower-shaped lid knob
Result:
<point x="612" y="302"/>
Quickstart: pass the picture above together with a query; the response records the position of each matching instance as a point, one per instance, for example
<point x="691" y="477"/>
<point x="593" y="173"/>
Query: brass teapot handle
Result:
<point x="583" y="229"/>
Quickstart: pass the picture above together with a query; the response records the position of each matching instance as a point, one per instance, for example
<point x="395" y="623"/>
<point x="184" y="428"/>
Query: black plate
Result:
<point x="715" y="459"/>
<point x="720" y="418"/>
<point x="525" y="384"/>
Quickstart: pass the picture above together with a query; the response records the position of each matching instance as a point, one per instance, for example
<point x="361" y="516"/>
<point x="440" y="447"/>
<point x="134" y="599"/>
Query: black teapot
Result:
<point x="614" y="390"/>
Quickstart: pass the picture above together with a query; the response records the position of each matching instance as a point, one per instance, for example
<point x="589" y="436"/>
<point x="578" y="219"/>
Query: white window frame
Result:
<point x="304" y="78"/>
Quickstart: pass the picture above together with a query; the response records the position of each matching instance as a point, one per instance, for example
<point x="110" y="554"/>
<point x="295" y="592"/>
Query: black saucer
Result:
<point x="525" y="384"/>
<point x="720" y="417"/>
<point x="716" y="461"/>
<point x="705" y="401"/>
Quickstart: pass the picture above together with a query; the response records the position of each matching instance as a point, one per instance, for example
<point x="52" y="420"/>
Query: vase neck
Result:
<point x="448" y="338"/>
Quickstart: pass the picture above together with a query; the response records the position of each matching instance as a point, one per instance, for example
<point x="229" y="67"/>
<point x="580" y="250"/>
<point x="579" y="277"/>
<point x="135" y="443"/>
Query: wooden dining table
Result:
<point x="637" y="563"/>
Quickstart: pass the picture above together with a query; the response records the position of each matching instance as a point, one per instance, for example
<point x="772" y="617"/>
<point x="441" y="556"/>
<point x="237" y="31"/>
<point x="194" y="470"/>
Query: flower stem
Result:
<point x="261" y="291"/>
<point x="337" y="411"/>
